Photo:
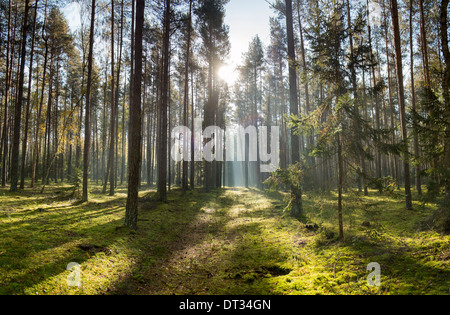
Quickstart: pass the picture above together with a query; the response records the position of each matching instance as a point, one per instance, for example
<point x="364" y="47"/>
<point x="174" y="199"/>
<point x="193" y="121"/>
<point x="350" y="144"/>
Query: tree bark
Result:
<point x="186" y="98"/>
<point x="162" y="159"/>
<point x="27" y="115"/>
<point x="87" y="127"/>
<point x="111" y="157"/>
<point x="310" y="139"/>
<point x="4" y="139"/>
<point x="446" y="94"/>
<point x="19" y="105"/>
<point x="413" y="98"/>
<point x="134" y="150"/>
<point x="293" y="92"/>
<point x="401" y="97"/>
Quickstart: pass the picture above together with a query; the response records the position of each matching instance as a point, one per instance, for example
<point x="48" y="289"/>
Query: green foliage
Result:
<point x="76" y="182"/>
<point x="292" y="177"/>
<point x="429" y="125"/>
<point x="385" y="185"/>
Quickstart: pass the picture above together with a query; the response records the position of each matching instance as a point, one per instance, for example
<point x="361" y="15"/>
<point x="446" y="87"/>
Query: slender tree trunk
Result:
<point x="162" y="159"/>
<point x="38" y="118"/>
<point x="186" y="98"/>
<point x="413" y="97"/>
<point x="340" y="185"/>
<point x="294" y="103"/>
<point x="122" y="173"/>
<point x="294" y="106"/>
<point x="46" y="158"/>
<point x="55" y="125"/>
<point x="7" y="88"/>
<point x="310" y="139"/>
<point x="19" y="105"/>
<point x="111" y="158"/>
<point x="401" y="96"/>
<point x="122" y="18"/>
<point x="446" y="94"/>
<point x="377" y="103"/>
<point x="192" y="180"/>
<point x="393" y="158"/>
<point x="362" y="175"/>
<point x="87" y="125"/>
<point x="427" y="80"/>
<point x="424" y="45"/>
<point x="134" y="150"/>
<point x="27" y="114"/>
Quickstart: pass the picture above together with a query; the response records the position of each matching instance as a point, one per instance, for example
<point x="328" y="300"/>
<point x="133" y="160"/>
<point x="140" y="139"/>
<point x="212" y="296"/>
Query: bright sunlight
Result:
<point x="228" y="74"/>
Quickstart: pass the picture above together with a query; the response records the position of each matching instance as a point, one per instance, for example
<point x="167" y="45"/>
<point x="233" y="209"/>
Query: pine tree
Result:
<point x="401" y="98"/>
<point x="164" y="106"/>
<point x="19" y="105"/>
<point x="87" y="127"/>
<point x="134" y="149"/>
<point x="214" y="34"/>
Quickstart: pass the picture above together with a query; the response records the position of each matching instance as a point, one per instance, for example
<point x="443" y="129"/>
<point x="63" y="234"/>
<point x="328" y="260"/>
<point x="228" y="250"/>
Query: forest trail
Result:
<point x="227" y="244"/>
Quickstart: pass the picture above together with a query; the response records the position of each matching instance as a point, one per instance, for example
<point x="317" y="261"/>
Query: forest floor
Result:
<point x="231" y="241"/>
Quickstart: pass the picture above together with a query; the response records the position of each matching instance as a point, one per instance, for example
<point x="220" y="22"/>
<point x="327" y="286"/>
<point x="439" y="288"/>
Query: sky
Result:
<point x="72" y="14"/>
<point x="246" y="19"/>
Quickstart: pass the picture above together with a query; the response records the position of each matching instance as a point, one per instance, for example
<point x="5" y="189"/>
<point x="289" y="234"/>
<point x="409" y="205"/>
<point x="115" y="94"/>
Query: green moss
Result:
<point x="231" y="241"/>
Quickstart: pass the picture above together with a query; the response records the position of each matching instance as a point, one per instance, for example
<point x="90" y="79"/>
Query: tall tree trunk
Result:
<point x="374" y="88"/>
<point x="46" y="157"/>
<point x="401" y="98"/>
<point x="340" y="185"/>
<point x="294" y="104"/>
<point x="87" y="125"/>
<point x="424" y="46"/>
<point x="27" y="114"/>
<point x="162" y="158"/>
<point x="39" y="114"/>
<point x="192" y="179"/>
<point x="134" y="150"/>
<point x="19" y="105"/>
<point x="111" y="158"/>
<point x="393" y="157"/>
<point x="413" y="97"/>
<point x="427" y="79"/>
<point x="446" y="94"/>
<point x="362" y="175"/>
<point x="4" y="139"/>
<point x="186" y="98"/>
<point x="310" y="139"/>
<point x="293" y="93"/>
<point x="122" y="18"/>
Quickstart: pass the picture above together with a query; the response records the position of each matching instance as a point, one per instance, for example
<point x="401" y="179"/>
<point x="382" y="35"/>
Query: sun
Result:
<point x="227" y="73"/>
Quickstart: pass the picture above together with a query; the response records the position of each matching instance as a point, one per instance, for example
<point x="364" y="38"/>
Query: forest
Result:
<point x="137" y="158"/>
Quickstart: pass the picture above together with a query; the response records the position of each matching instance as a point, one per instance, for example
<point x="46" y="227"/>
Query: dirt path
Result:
<point x="213" y="256"/>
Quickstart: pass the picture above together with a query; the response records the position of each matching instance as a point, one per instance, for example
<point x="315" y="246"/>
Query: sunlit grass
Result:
<point x="230" y="241"/>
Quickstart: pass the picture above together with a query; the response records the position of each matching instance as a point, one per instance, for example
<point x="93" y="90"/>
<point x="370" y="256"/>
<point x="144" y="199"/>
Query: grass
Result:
<point x="231" y="241"/>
